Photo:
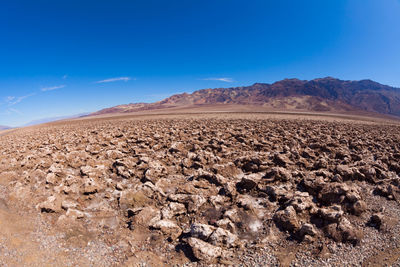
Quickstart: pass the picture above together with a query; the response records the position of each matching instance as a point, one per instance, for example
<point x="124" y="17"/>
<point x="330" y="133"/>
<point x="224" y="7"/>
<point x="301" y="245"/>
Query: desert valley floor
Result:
<point x="242" y="189"/>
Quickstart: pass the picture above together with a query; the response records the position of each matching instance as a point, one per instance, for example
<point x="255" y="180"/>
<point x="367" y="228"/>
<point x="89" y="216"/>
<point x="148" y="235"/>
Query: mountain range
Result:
<point x="2" y="127"/>
<point x="318" y="95"/>
<point x="51" y="119"/>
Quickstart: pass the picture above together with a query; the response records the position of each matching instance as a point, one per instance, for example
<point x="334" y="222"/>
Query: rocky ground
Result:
<point x="195" y="190"/>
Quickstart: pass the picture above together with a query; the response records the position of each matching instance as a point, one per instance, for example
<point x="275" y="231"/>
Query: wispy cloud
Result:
<point x="13" y="110"/>
<point x="12" y="100"/>
<point x="65" y="76"/>
<point x="228" y="80"/>
<point x="44" y="89"/>
<point x="125" y="79"/>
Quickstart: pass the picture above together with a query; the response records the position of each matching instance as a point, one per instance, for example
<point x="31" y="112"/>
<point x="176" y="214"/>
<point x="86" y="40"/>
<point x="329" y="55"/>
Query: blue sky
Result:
<point x="66" y="57"/>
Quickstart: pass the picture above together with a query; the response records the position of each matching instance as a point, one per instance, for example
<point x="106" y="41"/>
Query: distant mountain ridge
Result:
<point x="4" y="127"/>
<point x="51" y="119"/>
<point x="324" y="94"/>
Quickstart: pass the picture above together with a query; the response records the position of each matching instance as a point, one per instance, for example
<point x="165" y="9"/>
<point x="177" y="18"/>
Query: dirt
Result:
<point x="388" y="257"/>
<point x="248" y="189"/>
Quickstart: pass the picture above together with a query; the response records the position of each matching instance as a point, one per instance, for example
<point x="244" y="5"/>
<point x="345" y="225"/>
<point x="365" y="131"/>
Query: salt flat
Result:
<point x="192" y="188"/>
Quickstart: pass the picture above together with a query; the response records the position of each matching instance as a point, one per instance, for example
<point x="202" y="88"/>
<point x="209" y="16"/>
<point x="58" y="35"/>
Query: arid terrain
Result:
<point x="242" y="189"/>
<point x="318" y="95"/>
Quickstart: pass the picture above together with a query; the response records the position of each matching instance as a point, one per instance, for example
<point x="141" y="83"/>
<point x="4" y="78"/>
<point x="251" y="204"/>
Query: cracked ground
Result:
<point x="241" y="189"/>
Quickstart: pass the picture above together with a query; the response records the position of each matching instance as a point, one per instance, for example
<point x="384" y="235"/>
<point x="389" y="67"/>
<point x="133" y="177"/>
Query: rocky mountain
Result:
<point x="51" y="119"/>
<point x="4" y="127"/>
<point x="326" y="94"/>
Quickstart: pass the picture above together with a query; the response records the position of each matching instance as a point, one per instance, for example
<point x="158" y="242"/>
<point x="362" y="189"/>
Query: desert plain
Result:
<point x="200" y="189"/>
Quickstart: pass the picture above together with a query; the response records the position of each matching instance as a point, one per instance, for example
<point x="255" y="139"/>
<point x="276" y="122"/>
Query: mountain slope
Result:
<point x="51" y="119"/>
<point x="4" y="127"/>
<point x="326" y="94"/>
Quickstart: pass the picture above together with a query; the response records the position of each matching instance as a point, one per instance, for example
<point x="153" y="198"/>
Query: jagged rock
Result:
<point x="333" y="193"/>
<point x="278" y="174"/>
<point x="353" y="196"/>
<point x="220" y="181"/>
<point x="203" y="250"/>
<point x="331" y="231"/>
<point x="168" y="227"/>
<point x="122" y="168"/>
<point x="232" y="214"/>
<point x="256" y="205"/>
<point x="226" y="224"/>
<point x="331" y="214"/>
<point x="376" y="221"/>
<point x="74" y="213"/>
<point x="212" y="178"/>
<point x="150" y="189"/>
<point x="313" y="185"/>
<point x="193" y="202"/>
<point x="320" y="164"/>
<point x="358" y="207"/>
<point x="176" y="147"/>
<point x="307" y="229"/>
<point x="281" y="160"/>
<point x="73" y="189"/>
<point x="249" y="164"/>
<point x="343" y="232"/>
<point x="172" y="210"/>
<point x="248" y="183"/>
<point x="86" y="170"/>
<point x="348" y="232"/>
<point x="93" y="149"/>
<point x="345" y="171"/>
<point x="369" y="173"/>
<point x="51" y="205"/>
<point x="302" y="201"/>
<point x="90" y="186"/>
<point x="56" y="168"/>
<point x="107" y="221"/>
<point x="324" y="173"/>
<point x="70" y="180"/>
<point x="229" y="189"/>
<point x="51" y="178"/>
<point x="222" y="237"/>
<point x="68" y="204"/>
<point x="218" y="201"/>
<point x="246" y="222"/>
<point x="114" y="154"/>
<point x="131" y="199"/>
<point x="287" y="219"/>
<point x="202" y="231"/>
<point x="155" y="171"/>
<point x="147" y="216"/>
<point x="120" y="186"/>
<point x="388" y="191"/>
<point x="280" y="193"/>
<point x="227" y="170"/>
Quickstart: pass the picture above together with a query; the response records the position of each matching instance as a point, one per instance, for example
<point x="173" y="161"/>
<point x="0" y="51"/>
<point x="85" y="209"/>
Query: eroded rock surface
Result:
<point x="206" y="188"/>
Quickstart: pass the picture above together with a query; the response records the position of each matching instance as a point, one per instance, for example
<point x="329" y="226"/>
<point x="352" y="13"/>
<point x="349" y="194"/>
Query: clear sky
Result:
<point x="66" y="57"/>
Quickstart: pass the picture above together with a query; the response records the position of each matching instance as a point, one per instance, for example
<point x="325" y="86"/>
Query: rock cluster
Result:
<point x="212" y="187"/>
